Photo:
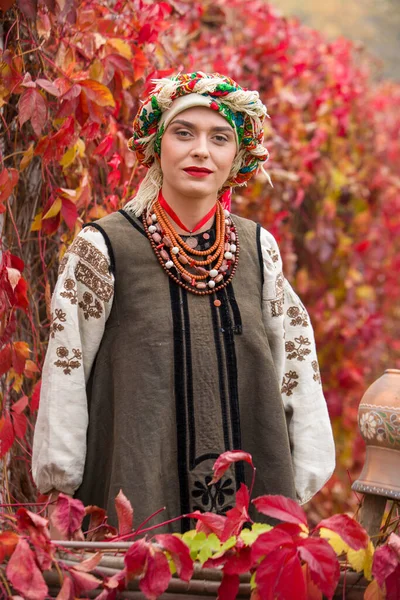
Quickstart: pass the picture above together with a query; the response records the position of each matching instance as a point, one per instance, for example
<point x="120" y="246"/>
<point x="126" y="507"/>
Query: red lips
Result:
<point x="198" y="169"/>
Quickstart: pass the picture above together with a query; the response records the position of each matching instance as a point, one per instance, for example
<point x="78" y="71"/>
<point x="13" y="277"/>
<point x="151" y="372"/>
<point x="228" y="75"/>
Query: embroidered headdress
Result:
<point x="242" y="108"/>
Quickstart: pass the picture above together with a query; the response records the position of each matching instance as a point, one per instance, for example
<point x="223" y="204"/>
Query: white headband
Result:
<point x="183" y="103"/>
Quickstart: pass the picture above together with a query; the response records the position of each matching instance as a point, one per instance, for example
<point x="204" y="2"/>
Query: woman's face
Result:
<point x="198" y="137"/>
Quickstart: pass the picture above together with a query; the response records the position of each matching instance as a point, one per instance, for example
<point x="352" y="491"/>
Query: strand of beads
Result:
<point x="173" y="253"/>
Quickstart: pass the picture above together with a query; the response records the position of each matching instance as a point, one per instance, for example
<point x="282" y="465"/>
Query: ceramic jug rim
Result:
<point x="393" y="371"/>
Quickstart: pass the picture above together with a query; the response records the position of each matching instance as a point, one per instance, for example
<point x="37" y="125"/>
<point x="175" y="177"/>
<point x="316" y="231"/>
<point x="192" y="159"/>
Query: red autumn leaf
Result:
<point x="322" y="562"/>
<point x="279" y="507"/>
<point x="119" y="62"/>
<point x="48" y="86"/>
<point x="238" y="561"/>
<point x="136" y="557"/>
<point x="32" y="106"/>
<point x="290" y="528"/>
<point x="20" y="294"/>
<point x="20" y="424"/>
<point x="269" y="542"/>
<point x="20" y="353"/>
<point x="180" y="554"/>
<point x="19" y="406"/>
<point x="37" y="529"/>
<point x="313" y="592"/>
<point x="226" y="459"/>
<point x="28" y="8"/>
<point x="385" y="563"/>
<point x="8" y="181"/>
<point x="67" y="515"/>
<point x="229" y="587"/>
<point x="8" y="542"/>
<point x="89" y="564"/>
<point x="113" y="585"/>
<point x="393" y="585"/>
<point x="291" y="579"/>
<point x="24" y="575"/>
<point x="238" y="515"/>
<point x="124" y="513"/>
<point x="394" y="543"/>
<point x="83" y="581"/>
<point x="349" y="530"/>
<point x="69" y="212"/>
<point x="105" y="145"/>
<point x="5" y="359"/>
<point x="209" y="522"/>
<point x="269" y="572"/>
<point x="67" y="590"/>
<point x="98" y="526"/>
<point x="157" y="577"/>
<point x="7" y="435"/>
<point x="30" y="369"/>
<point x="35" y="398"/>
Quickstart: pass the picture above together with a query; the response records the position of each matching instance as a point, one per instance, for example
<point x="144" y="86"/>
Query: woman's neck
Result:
<point x="190" y="211"/>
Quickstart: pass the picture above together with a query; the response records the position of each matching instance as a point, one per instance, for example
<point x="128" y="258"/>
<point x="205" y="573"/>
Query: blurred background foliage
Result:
<point x="71" y="76"/>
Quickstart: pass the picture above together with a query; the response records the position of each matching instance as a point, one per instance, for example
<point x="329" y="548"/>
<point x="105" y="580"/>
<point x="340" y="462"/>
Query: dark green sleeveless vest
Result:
<point x="176" y="382"/>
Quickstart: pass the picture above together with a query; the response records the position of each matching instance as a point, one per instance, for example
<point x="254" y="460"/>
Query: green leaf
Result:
<point x="249" y="536"/>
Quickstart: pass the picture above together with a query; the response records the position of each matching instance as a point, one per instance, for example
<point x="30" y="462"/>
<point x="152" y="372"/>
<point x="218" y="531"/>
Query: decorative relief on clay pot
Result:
<point x="379" y="423"/>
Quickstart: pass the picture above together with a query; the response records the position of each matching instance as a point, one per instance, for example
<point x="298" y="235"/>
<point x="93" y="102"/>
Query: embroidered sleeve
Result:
<point x="292" y="343"/>
<point x="80" y="306"/>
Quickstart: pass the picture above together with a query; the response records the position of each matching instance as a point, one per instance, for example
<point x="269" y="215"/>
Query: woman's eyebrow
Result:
<point x="226" y="128"/>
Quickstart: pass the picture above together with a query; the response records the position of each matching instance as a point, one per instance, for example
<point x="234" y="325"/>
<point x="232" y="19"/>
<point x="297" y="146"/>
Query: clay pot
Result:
<point x="379" y="423"/>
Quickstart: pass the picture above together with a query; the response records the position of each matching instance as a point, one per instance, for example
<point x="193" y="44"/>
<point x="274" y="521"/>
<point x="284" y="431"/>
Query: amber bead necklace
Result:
<point x="177" y="257"/>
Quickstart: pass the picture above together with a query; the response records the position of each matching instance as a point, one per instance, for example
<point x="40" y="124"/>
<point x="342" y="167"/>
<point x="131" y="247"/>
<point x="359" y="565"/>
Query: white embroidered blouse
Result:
<point x="81" y="304"/>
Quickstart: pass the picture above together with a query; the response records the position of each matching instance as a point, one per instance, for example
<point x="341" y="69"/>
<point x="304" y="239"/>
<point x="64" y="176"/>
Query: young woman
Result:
<point x="175" y="336"/>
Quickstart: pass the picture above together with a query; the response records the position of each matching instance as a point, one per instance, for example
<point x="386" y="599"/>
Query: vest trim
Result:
<point x="132" y="222"/>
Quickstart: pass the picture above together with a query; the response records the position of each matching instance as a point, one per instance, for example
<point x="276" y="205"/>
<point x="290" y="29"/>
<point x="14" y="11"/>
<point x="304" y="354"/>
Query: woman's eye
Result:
<point x="221" y="138"/>
<point x="183" y="133"/>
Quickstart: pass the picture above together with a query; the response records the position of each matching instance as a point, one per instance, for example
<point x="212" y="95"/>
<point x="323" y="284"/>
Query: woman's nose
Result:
<point x="200" y="147"/>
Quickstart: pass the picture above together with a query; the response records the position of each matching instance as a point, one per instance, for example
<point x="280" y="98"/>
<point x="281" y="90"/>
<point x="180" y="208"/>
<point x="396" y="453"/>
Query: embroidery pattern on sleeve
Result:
<point x="90" y="306"/>
<point x="101" y="288"/>
<point x="63" y="264"/>
<point x="273" y="254"/>
<point x="298" y="351"/>
<point x="317" y="375"/>
<point x="58" y="315"/>
<point x="90" y="254"/>
<point x="289" y="383"/>
<point x="277" y="303"/>
<point x="65" y="362"/>
<point x="298" y="315"/>
<point x="70" y="291"/>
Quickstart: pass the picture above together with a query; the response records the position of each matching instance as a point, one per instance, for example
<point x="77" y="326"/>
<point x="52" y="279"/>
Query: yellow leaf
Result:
<point x="26" y="159"/>
<point x="96" y="71"/>
<point x="98" y="93"/>
<point x="54" y="209"/>
<point x="334" y="540"/>
<point x="69" y="157"/>
<point x="361" y="560"/>
<point x="365" y="292"/>
<point x="122" y="47"/>
<point x="81" y="147"/>
<point x="37" y="222"/>
<point x="14" y="380"/>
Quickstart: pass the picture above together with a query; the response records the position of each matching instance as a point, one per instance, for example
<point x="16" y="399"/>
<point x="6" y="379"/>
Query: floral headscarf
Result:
<point x="242" y="108"/>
